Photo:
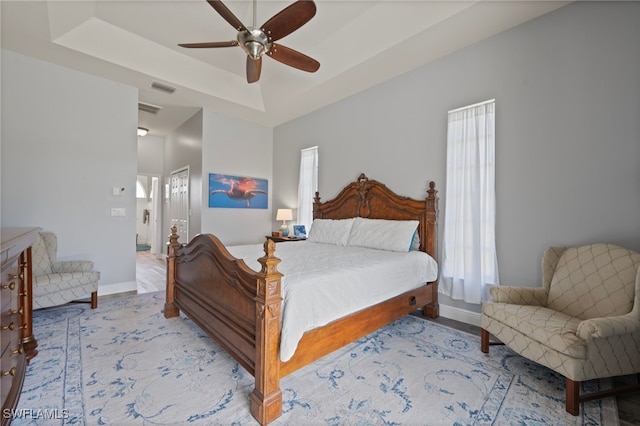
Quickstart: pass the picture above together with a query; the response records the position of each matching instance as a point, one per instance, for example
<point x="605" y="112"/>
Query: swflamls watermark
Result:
<point x="31" y="413"/>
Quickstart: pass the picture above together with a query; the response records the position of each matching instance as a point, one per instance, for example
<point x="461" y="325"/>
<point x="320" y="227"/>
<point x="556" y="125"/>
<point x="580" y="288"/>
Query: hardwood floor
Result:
<point x="151" y="276"/>
<point x="150" y="272"/>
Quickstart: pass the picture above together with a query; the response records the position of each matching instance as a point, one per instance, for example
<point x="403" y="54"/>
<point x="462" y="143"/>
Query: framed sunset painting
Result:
<point x="239" y="192"/>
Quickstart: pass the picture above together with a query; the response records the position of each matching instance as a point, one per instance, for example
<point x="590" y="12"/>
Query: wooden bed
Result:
<point x="241" y="308"/>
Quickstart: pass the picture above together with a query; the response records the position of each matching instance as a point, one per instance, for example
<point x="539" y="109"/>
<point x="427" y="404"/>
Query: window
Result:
<point x="469" y="264"/>
<point x="140" y="191"/>
<point x="307" y="185"/>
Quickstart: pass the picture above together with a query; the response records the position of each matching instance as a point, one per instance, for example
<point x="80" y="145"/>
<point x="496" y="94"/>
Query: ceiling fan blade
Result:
<point x="254" y="66"/>
<point x="293" y="58"/>
<point x="210" y="44"/>
<point x="227" y="14"/>
<point x="289" y="19"/>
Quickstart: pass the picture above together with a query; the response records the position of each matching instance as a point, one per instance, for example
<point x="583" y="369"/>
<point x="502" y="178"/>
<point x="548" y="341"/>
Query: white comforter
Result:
<point x="324" y="282"/>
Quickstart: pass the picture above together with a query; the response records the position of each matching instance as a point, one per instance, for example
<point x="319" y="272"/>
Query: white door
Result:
<point x="179" y="203"/>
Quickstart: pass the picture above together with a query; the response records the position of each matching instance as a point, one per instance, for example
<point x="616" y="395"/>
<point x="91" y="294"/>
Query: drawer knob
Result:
<point x="11" y="372"/>
<point x="11" y="286"/>
<point x="20" y="350"/>
<point x="17" y="277"/>
<point x="19" y="311"/>
<point x="11" y="326"/>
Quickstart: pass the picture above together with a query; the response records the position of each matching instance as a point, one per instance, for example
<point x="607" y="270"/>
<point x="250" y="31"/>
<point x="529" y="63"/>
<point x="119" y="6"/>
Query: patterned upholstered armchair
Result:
<point x="584" y="323"/>
<point x="59" y="282"/>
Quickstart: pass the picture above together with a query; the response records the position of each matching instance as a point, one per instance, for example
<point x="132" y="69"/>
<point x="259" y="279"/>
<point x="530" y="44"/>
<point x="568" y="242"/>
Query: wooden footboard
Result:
<point x="241" y="309"/>
<point x="238" y="307"/>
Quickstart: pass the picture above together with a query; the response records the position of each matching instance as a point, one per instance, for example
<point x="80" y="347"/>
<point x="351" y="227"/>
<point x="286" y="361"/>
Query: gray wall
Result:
<point x="184" y="148"/>
<point x="211" y="143"/>
<point x="567" y="91"/>
<point x="236" y="147"/>
<point x="151" y="155"/>
<point x="68" y="139"/>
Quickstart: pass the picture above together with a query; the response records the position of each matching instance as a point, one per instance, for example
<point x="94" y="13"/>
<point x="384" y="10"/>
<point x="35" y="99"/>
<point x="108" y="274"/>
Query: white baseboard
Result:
<point x="461" y="315"/>
<point x="116" y="288"/>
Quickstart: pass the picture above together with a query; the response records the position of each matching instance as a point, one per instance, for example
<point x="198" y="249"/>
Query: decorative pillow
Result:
<point x="330" y="231"/>
<point x="393" y="235"/>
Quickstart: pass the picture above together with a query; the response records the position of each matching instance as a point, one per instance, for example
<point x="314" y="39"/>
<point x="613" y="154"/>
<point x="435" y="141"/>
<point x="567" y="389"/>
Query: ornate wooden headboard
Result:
<point x="371" y="199"/>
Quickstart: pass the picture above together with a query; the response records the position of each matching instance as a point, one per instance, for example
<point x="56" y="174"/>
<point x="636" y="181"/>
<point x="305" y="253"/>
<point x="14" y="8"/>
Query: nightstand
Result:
<point x="283" y="239"/>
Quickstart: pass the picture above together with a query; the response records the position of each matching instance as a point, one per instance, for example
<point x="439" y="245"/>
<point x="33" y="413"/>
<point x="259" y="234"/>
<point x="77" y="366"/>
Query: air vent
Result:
<point x="152" y="109"/>
<point x="162" y="87"/>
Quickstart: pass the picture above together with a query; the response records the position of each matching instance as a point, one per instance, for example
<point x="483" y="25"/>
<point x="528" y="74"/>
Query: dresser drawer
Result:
<point x="10" y="332"/>
<point x="10" y="369"/>
<point x="9" y="290"/>
<point x="15" y="313"/>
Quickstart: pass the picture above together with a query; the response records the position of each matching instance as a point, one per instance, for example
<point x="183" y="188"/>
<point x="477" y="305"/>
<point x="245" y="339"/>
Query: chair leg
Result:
<point x="484" y="341"/>
<point x="573" y="397"/>
<point x="94" y="300"/>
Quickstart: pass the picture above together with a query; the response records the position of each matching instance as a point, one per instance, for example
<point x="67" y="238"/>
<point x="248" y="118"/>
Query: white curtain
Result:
<point x="307" y="185"/>
<point x="469" y="264"/>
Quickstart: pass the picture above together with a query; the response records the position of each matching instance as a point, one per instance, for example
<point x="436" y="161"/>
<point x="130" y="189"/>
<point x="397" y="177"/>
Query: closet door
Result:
<point x="179" y="203"/>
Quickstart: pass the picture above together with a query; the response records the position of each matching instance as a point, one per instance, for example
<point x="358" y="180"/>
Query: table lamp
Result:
<point x="284" y="215"/>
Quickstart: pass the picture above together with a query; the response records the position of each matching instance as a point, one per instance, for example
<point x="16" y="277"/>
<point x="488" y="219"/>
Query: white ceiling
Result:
<point x="359" y="43"/>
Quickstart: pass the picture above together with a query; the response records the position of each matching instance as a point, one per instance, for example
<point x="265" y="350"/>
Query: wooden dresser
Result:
<point x="17" y="343"/>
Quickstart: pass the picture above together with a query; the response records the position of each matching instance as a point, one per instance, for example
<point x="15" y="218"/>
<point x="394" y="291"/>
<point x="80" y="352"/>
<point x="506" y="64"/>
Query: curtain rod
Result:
<point x="471" y="106"/>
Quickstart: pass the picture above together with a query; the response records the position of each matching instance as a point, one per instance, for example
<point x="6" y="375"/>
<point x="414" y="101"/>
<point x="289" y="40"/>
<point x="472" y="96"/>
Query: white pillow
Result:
<point x="330" y="231"/>
<point x="392" y="235"/>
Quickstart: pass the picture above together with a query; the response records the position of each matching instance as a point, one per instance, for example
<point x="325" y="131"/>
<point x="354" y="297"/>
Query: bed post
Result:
<point x="432" y="309"/>
<point x="170" y="309"/>
<point x="266" y="398"/>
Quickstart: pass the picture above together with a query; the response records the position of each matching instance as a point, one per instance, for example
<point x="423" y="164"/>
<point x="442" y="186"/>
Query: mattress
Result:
<point x="325" y="282"/>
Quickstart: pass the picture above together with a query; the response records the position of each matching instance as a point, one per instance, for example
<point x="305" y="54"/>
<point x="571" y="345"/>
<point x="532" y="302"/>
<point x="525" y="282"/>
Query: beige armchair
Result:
<point x="584" y="322"/>
<point x="59" y="282"/>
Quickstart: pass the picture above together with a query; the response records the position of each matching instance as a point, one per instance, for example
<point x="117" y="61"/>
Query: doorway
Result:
<point x="148" y="218"/>
<point x="150" y="265"/>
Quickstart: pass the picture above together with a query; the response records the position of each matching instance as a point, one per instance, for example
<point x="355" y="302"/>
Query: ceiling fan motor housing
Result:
<point x="254" y="42"/>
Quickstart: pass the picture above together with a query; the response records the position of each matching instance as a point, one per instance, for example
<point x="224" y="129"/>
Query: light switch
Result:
<point x="116" y="192"/>
<point x="118" y="211"/>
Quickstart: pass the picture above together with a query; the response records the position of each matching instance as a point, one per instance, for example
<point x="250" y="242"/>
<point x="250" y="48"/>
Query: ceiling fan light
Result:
<point x="254" y="49"/>
<point x="142" y="131"/>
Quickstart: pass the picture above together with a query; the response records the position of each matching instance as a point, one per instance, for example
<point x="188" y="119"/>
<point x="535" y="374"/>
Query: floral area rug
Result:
<point x="125" y="364"/>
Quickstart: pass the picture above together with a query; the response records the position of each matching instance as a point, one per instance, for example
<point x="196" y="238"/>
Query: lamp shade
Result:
<point x="142" y="131"/>
<point x="284" y="214"/>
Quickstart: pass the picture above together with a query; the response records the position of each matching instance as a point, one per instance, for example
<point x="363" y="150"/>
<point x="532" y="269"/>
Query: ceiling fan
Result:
<point x="259" y="41"/>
